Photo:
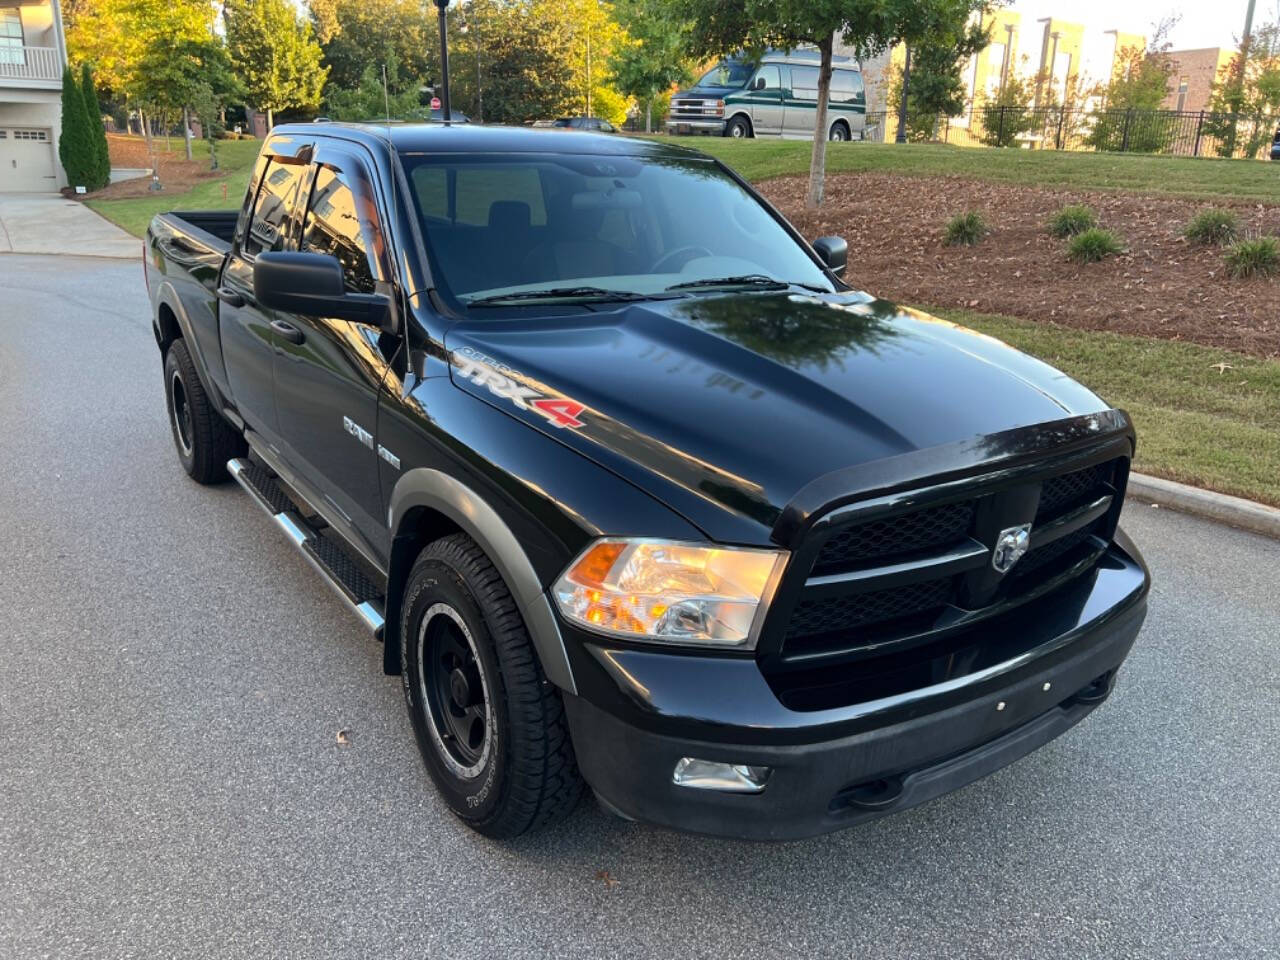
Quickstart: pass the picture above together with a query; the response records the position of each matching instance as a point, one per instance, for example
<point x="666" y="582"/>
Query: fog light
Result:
<point x="726" y="777"/>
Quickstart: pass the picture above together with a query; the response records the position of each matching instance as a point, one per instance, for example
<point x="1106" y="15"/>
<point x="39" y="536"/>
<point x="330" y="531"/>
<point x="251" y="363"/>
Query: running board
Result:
<point x="321" y="549"/>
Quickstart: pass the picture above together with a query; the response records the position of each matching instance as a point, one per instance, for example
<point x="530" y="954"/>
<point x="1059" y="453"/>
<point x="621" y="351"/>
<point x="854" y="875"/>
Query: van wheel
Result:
<point x="840" y="131"/>
<point x="204" y="440"/>
<point x="491" y="729"/>
<point x="738" y="128"/>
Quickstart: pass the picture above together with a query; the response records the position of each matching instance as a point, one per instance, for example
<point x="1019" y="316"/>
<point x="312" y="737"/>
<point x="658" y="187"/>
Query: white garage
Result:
<point x="27" y="161"/>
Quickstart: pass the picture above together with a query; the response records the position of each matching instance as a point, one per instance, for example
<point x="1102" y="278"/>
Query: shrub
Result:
<point x="75" y="144"/>
<point x="1254" y="257"/>
<point x="1072" y="221"/>
<point x="964" y="230"/>
<point x="1094" y="245"/>
<point x="97" y="131"/>
<point x="1213" y="227"/>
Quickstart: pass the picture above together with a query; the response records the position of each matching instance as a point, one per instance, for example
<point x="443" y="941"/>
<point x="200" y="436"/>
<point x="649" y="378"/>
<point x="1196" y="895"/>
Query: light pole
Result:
<point x="444" y="59"/>
<point x="902" y="105"/>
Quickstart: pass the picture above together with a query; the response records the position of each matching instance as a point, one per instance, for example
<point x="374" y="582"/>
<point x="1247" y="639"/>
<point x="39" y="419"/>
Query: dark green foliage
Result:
<point x="1006" y="118"/>
<point x="1254" y="257"/>
<point x="1094" y="245"/>
<point x="1213" y="227"/>
<point x="1072" y="221"/>
<point x="75" y="145"/>
<point x="965" y="230"/>
<point x="97" y="130"/>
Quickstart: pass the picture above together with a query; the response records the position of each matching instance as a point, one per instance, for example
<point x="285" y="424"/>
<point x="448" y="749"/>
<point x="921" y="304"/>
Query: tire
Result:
<point x="840" y="131"/>
<point x="203" y="438"/>
<point x="738" y="128"/>
<point x="504" y="765"/>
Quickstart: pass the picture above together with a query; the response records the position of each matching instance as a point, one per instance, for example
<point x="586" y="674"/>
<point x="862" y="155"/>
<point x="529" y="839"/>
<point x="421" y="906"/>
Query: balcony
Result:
<point x="22" y="66"/>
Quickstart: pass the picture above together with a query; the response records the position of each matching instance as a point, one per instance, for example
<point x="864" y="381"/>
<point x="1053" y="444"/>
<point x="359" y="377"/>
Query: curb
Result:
<point x="1234" y="511"/>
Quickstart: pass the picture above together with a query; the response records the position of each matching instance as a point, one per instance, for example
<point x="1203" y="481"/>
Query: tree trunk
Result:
<point x="818" y="161"/>
<point x="186" y="131"/>
<point x="146" y="128"/>
<point x="648" y="115"/>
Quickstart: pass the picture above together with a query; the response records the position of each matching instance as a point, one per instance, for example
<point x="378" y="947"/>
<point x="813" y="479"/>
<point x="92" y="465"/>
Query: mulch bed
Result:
<point x="176" y="172"/>
<point x="1161" y="287"/>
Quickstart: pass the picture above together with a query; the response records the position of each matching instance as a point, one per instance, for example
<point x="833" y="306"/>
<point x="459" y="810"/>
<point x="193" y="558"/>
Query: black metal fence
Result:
<point x="1198" y="134"/>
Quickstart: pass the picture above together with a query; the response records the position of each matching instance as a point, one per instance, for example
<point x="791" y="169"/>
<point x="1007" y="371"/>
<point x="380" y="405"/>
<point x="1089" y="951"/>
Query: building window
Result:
<point x="11" y="36"/>
<point x="1182" y="94"/>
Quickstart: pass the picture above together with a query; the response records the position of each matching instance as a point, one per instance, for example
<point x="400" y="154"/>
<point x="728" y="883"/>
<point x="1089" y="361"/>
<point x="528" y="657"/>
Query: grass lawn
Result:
<point x="1199" y="423"/>
<point x="1188" y="176"/>
<point x="235" y="158"/>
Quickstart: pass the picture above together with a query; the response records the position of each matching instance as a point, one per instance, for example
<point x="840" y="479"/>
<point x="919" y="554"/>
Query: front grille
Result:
<point x="892" y="537"/>
<point x="861" y="610"/>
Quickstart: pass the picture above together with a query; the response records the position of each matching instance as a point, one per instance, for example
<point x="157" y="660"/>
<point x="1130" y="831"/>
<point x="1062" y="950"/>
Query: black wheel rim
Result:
<point x="180" y="410"/>
<point x="455" y="692"/>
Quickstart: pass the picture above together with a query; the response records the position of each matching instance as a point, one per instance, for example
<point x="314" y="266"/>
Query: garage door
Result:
<point x="26" y="160"/>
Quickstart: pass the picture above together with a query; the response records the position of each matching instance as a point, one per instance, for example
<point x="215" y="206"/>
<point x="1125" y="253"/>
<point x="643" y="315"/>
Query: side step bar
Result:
<point x="322" y="550"/>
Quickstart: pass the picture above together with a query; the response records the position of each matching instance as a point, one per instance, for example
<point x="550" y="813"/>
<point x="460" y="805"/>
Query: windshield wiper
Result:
<point x="757" y="280"/>
<point x="559" y="293"/>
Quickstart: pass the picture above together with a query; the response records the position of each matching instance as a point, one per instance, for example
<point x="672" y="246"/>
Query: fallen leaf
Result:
<point x="604" y="877"/>
<point x="344" y="737"/>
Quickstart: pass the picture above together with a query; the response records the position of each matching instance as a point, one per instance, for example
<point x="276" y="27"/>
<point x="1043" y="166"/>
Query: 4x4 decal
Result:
<point x="486" y="372"/>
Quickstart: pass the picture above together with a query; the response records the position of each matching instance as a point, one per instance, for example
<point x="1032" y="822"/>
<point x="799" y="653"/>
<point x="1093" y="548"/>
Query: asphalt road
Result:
<point x="173" y="676"/>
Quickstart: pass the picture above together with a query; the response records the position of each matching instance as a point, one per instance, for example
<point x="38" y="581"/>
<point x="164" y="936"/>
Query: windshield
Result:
<point x="731" y="73"/>
<point x="502" y="225"/>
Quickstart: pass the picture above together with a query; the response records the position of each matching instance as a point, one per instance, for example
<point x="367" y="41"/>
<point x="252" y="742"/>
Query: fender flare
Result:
<point x="435" y="490"/>
<point x="167" y="296"/>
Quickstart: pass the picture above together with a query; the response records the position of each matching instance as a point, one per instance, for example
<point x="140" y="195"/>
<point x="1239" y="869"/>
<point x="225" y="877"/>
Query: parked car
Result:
<point x="1275" y="146"/>
<point x="595" y="124"/>
<point x="635" y="490"/>
<point x="776" y="97"/>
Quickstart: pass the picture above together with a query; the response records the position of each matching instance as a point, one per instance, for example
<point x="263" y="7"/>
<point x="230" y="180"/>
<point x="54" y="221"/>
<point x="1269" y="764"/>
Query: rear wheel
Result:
<point x="738" y="128"/>
<point x="491" y="729"/>
<point x="204" y="440"/>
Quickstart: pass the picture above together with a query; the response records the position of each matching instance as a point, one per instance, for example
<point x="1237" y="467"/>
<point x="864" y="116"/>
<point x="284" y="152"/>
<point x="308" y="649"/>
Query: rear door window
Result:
<point x="342" y="221"/>
<point x="804" y="83"/>
<point x="274" y="206"/>
<point x="846" y="86"/>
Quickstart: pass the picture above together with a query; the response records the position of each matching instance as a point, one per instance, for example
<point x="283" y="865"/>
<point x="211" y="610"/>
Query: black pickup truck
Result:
<point x="635" y="490"/>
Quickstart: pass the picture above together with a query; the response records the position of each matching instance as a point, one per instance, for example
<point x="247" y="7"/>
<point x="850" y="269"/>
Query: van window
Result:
<point x="804" y="83"/>
<point x="846" y="86"/>
<point x="273" y="207"/>
<point x="767" y="79"/>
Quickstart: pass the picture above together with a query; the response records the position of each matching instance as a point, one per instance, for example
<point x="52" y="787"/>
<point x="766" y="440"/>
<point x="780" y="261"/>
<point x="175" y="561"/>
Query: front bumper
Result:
<point x="712" y="126"/>
<point x="638" y="712"/>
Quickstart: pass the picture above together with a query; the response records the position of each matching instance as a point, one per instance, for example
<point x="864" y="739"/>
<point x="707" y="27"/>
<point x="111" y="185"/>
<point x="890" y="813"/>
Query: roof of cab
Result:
<point x="411" y="138"/>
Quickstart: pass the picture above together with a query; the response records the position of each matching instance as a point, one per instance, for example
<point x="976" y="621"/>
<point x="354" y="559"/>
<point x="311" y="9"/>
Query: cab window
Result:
<point x="344" y="223"/>
<point x="767" y="79"/>
<point x="277" y="197"/>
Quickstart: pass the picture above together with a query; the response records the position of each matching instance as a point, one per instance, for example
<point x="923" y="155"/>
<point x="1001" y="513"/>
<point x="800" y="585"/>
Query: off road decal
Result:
<point x="486" y="372"/>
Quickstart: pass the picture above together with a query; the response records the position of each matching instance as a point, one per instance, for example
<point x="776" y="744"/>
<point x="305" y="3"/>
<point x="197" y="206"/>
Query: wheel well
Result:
<point x="167" y="327"/>
<point x="419" y="527"/>
<point x="842" y="122"/>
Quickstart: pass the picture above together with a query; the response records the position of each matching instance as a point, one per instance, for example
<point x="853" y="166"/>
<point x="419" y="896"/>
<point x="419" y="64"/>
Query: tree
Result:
<point x="1008" y="115"/>
<point x="720" y="27"/>
<point x="1131" y="118"/>
<point x="274" y="54"/>
<point x="97" y="130"/>
<point x="936" y="87"/>
<point x="367" y="101"/>
<point x="1252" y="94"/>
<point x="649" y="59"/>
<point x="357" y="34"/>
<point x="75" y="144"/>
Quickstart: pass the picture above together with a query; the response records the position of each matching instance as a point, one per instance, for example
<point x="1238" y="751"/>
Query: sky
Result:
<point x="1204" y="23"/>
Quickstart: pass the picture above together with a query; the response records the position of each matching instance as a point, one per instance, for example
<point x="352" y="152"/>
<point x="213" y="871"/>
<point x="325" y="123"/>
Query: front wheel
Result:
<point x="738" y="128"/>
<point x="491" y="729"/>
<point x="840" y="131"/>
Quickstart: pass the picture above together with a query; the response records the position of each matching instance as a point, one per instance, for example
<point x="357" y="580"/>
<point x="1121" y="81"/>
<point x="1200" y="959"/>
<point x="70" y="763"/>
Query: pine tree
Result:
<point x="75" y="147"/>
<point x="97" y="132"/>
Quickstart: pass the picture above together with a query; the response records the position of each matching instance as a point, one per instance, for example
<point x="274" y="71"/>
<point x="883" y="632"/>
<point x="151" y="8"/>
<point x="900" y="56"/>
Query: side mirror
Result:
<point x="759" y="84"/>
<point x="834" y="252"/>
<point x="311" y="284"/>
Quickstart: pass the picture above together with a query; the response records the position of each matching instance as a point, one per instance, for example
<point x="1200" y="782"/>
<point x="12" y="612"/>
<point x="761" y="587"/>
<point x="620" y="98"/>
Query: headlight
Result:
<point x="676" y="593"/>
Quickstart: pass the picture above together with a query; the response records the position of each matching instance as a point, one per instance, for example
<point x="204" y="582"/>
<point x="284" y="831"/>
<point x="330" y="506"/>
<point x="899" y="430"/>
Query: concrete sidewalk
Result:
<point x="51" y="224"/>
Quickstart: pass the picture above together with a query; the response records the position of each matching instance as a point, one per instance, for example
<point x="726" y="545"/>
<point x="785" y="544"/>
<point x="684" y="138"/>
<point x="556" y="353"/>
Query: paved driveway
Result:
<point x="50" y="223"/>
<point x="172" y="677"/>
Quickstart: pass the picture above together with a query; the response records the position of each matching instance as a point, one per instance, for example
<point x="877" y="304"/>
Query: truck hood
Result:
<point x="726" y="406"/>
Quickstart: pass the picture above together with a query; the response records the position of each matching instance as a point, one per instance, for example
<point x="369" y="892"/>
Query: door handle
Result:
<point x="287" y="331"/>
<point x="230" y="297"/>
